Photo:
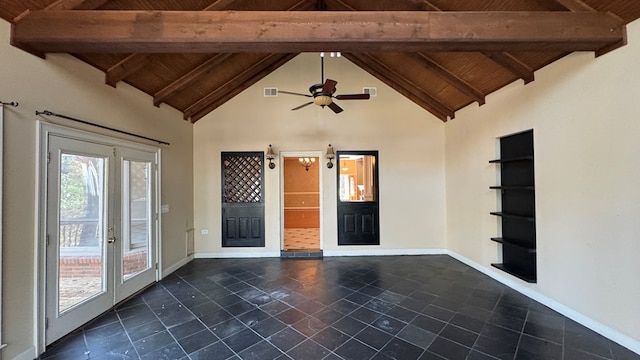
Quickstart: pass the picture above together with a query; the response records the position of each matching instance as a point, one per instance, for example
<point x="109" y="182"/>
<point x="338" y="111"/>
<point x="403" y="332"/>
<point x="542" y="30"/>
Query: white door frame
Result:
<point x="45" y="129"/>
<point x="297" y="154"/>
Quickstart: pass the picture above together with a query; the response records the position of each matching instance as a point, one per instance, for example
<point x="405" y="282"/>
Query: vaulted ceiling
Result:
<point x="195" y="55"/>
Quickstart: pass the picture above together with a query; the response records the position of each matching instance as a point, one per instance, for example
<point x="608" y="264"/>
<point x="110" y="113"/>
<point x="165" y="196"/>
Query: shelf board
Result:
<point x="520" y="158"/>
<point x="530" y="250"/>
<point x="513" y="216"/>
<point x="513" y="187"/>
<point x="526" y="277"/>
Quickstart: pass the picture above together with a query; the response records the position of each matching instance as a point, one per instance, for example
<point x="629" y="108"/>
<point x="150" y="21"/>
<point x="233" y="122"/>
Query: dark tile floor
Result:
<point x="397" y="307"/>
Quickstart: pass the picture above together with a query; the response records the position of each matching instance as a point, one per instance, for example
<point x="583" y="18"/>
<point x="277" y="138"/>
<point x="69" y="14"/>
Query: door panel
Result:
<point x="136" y="245"/>
<point x="79" y="218"/>
<point x="358" y="209"/>
<point x="242" y="199"/>
<point x="101" y="229"/>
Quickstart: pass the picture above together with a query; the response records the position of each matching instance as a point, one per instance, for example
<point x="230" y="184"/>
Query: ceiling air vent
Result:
<point x="270" y="92"/>
<point x="372" y="91"/>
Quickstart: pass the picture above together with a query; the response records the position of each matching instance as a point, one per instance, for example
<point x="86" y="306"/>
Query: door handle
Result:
<point x="111" y="240"/>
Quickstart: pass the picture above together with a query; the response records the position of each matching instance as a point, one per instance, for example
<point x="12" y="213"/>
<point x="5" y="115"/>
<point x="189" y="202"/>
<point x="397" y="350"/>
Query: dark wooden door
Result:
<point x="358" y="208"/>
<point x="242" y="199"/>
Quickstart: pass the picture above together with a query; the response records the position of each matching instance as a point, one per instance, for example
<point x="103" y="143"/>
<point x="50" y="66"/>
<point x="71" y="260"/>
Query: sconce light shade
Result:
<point x="330" y="156"/>
<point x="270" y="156"/>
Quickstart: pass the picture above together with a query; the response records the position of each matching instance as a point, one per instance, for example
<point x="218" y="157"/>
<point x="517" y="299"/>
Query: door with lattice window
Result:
<point x="242" y="199"/>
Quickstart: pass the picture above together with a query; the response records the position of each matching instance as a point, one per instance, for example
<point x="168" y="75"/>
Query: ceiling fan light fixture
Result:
<point x="322" y="100"/>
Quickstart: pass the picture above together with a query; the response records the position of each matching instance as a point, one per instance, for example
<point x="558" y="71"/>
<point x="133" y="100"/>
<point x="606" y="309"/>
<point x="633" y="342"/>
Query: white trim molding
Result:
<point x="384" y="252"/>
<point x="239" y="255"/>
<point x="613" y="335"/>
<point x="176" y="266"/>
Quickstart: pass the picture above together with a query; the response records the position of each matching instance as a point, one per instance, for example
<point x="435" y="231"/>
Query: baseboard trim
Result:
<point x="613" y="335"/>
<point x="176" y="266"/>
<point x="231" y="255"/>
<point x="384" y="252"/>
<point x="28" y="354"/>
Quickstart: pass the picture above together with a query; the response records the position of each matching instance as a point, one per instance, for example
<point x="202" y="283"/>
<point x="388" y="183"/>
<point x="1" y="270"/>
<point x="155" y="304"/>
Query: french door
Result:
<point x="100" y="229"/>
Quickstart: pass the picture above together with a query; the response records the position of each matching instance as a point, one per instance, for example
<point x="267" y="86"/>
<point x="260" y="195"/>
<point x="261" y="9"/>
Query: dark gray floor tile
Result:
<point x="417" y="336"/>
<point x="286" y="339"/>
<point x="153" y="343"/>
<point x="349" y="325"/>
<point x="355" y="350"/>
<point x="217" y="350"/>
<point x="308" y="349"/>
<point x="197" y="341"/>
<point x="373" y="337"/>
<point x="459" y="335"/>
<point x="534" y="348"/>
<point x="448" y="349"/>
<point x="428" y="302"/>
<point x="170" y="352"/>
<point x="400" y="349"/>
<point x="330" y="338"/>
<point x="260" y="351"/>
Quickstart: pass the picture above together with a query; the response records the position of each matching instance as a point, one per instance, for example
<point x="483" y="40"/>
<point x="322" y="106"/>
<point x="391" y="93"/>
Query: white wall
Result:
<point x="584" y="113"/>
<point x="409" y="140"/>
<point x="65" y="85"/>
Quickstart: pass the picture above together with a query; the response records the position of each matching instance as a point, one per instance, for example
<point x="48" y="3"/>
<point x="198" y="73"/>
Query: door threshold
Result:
<point x="301" y="254"/>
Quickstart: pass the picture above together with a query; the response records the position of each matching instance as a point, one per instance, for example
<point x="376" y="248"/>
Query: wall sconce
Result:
<point x="270" y="156"/>
<point x="330" y="156"/>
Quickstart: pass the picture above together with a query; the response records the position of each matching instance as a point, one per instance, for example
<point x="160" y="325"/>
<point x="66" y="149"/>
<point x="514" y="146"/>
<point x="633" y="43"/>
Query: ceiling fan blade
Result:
<point x="303" y="105"/>
<point x="293" y="93"/>
<point x="353" y="97"/>
<point x="336" y="109"/>
<point x="329" y="86"/>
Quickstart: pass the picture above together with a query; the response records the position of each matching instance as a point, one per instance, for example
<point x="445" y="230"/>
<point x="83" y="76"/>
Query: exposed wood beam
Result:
<point x="126" y="67"/>
<point x="236" y="85"/>
<point x="76" y="4"/>
<point x="452" y="79"/>
<point x="189" y="78"/>
<point x="300" y="31"/>
<point x="579" y="5"/>
<point x="514" y="65"/>
<point x="401" y="84"/>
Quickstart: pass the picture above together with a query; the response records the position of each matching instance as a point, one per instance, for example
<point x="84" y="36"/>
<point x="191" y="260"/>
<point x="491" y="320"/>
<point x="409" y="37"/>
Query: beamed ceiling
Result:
<point x="195" y="55"/>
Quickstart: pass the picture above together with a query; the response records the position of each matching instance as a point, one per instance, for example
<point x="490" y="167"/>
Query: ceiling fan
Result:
<point x="322" y="93"/>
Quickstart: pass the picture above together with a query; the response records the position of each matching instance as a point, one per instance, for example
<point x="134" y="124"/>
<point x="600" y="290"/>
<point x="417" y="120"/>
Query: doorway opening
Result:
<point x="301" y="203"/>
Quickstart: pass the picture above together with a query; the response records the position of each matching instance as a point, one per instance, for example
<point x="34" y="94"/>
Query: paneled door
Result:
<point x="358" y="214"/>
<point x="101" y="229"/>
<point x="242" y="199"/>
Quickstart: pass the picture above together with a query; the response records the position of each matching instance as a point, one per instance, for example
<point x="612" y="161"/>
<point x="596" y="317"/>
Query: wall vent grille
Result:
<point x="372" y="91"/>
<point x="270" y="92"/>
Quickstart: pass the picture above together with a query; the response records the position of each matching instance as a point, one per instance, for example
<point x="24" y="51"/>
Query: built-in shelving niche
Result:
<point x="516" y="193"/>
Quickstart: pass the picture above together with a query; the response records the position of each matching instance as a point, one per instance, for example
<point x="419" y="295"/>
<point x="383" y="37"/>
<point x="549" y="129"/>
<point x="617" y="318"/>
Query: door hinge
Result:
<point x="46" y="240"/>
<point x="48" y="157"/>
<point x="46" y="323"/>
<point x="114" y="151"/>
<point x="156" y="266"/>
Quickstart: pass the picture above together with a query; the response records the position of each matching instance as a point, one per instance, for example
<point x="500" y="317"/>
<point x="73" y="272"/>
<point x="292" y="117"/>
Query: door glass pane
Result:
<point x="357" y="181"/>
<point x="82" y="220"/>
<point x="136" y="215"/>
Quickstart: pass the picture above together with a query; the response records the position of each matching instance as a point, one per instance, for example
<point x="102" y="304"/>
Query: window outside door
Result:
<point x="358" y="215"/>
<point x="100" y="229"/>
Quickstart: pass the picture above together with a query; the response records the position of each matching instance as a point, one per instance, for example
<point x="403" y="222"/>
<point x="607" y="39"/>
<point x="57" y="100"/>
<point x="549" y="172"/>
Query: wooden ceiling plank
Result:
<point x="301" y="31"/>
<point x="366" y="66"/>
<point x="188" y="78"/>
<point x="76" y="4"/>
<point x="575" y="5"/>
<point x="407" y="86"/>
<point x="236" y="85"/>
<point x="512" y="64"/>
<point x="128" y="66"/>
<point x="453" y="79"/>
<point x="219" y="5"/>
